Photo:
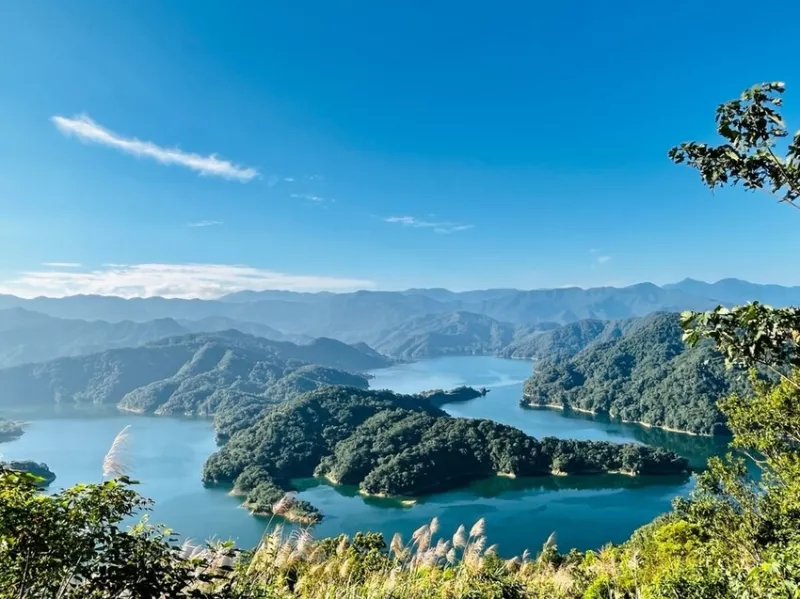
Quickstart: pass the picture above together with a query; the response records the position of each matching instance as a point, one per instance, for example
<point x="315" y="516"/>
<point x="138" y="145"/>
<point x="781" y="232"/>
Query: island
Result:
<point x="263" y="497"/>
<point x="10" y="430"/>
<point x="394" y="445"/>
<point x="439" y="397"/>
<point x="40" y="471"/>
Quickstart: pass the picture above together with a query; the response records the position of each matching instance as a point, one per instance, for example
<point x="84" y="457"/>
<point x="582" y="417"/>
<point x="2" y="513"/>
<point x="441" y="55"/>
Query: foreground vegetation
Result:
<point x="734" y="538"/>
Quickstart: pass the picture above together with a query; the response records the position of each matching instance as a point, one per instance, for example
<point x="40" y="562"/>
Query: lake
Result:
<point x="167" y="455"/>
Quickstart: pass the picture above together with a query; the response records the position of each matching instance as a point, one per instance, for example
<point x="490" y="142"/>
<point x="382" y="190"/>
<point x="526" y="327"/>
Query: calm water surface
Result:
<point x="167" y="455"/>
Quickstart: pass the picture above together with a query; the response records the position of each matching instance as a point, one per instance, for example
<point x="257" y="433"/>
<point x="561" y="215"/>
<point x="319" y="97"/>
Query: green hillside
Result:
<point x="646" y="374"/>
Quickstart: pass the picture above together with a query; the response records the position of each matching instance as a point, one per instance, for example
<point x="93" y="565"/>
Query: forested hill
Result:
<point x="465" y="333"/>
<point x="646" y="375"/>
<point x="454" y="333"/>
<point x="193" y="374"/>
<point x="391" y="444"/>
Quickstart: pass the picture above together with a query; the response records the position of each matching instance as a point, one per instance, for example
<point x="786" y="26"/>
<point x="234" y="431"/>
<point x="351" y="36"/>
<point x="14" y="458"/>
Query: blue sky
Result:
<point x="377" y="145"/>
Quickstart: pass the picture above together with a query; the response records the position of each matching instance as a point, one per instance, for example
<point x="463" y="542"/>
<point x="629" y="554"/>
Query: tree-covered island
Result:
<point x="396" y="445"/>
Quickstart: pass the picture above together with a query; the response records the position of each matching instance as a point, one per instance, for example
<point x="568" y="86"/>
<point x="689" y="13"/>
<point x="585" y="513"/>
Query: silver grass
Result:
<point x="342" y="547"/>
<point x="344" y="569"/>
<point x="460" y="537"/>
<point x="422" y="530"/>
<point x="396" y="546"/>
<point x="114" y="464"/>
<point x="550" y="542"/>
<point x="526" y="555"/>
<point x="442" y="547"/>
<point x="305" y="540"/>
<point x="283" y="504"/>
<point x="477" y="546"/>
<point x="429" y="557"/>
<point x="478" y="528"/>
<point x="492" y="549"/>
<point x="434" y="525"/>
<point x="424" y="541"/>
<point x="451" y="556"/>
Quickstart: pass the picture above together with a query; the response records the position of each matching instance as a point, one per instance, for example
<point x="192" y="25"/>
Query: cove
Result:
<point x="167" y="455"/>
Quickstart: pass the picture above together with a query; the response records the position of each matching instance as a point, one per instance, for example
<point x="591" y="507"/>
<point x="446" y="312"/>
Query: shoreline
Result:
<point x="563" y="408"/>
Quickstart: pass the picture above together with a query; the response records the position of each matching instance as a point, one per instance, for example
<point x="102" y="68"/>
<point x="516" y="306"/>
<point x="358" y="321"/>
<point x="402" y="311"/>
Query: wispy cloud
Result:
<point x="599" y="257"/>
<point x="205" y="281"/>
<point x="62" y="264"/>
<point x="206" y="223"/>
<point x="442" y="227"/>
<point x="310" y="197"/>
<point x="85" y="129"/>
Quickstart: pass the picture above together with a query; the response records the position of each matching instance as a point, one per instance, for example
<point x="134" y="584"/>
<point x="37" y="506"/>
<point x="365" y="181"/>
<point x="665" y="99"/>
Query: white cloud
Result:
<point x="442" y="227"/>
<point x="289" y="179"/>
<point x="310" y="197"/>
<point x="603" y="259"/>
<point x="205" y="281"/>
<point x="87" y="130"/>
<point x="206" y="223"/>
<point x="62" y="264"/>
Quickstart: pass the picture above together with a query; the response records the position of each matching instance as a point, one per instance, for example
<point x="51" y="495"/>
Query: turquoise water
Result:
<point x="167" y="455"/>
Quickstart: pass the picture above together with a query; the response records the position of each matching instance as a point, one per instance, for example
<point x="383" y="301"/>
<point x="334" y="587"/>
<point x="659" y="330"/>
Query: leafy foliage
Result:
<point x="71" y="545"/>
<point x="42" y="475"/>
<point x="751" y="127"/>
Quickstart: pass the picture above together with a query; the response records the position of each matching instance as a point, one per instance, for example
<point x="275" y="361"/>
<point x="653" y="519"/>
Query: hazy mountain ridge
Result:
<point x="27" y="336"/>
<point x="411" y="323"/>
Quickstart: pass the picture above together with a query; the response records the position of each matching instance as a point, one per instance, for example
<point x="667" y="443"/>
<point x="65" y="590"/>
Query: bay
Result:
<point x="167" y="455"/>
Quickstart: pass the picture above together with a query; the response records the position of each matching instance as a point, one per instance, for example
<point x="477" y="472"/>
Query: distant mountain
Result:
<point x="367" y="315"/>
<point x="214" y="324"/>
<point x="453" y="333"/>
<point x="27" y="336"/>
<point x="644" y="374"/>
<point x="198" y="374"/>
<point x="569" y="339"/>
<point x="736" y="291"/>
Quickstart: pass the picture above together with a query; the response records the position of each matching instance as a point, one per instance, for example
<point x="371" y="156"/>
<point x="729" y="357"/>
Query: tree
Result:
<point x="753" y="521"/>
<point x="72" y="545"/>
<point x="751" y="127"/>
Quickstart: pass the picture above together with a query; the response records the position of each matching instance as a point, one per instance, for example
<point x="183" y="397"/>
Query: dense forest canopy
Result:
<point x="390" y="444"/>
<point x="646" y="375"/>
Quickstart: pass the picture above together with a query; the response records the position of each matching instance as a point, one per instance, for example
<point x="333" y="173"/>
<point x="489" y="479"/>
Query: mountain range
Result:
<point x="408" y="324"/>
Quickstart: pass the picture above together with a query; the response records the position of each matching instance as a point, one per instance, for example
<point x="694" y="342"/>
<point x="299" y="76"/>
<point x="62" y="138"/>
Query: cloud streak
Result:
<point x="441" y="227"/>
<point x="310" y="197"/>
<point x="206" y="223"/>
<point x="205" y="281"/>
<point x="62" y="264"/>
<point x="85" y="129"/>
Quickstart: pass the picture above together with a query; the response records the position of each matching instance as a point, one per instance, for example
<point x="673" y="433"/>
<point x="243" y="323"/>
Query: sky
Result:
<point x="189" y="149"/>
